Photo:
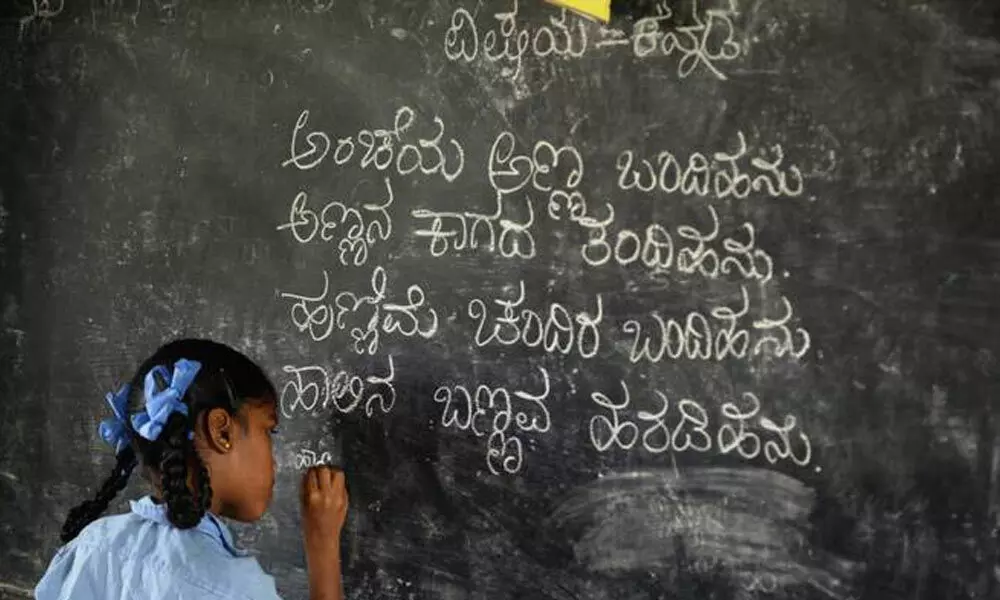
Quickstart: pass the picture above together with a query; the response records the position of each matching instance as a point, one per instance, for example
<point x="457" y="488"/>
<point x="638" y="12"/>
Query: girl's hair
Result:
<point x="227" y="379"/>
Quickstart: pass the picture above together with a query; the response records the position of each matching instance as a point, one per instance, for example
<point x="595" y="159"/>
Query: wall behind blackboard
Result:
<point x="700" y="304"/>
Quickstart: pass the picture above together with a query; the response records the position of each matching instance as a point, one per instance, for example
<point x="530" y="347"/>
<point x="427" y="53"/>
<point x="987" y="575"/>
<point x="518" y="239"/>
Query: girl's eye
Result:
<point x="275" y="430"/>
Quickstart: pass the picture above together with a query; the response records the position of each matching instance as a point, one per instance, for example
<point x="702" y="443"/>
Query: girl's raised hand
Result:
<point x="324" y="508"/>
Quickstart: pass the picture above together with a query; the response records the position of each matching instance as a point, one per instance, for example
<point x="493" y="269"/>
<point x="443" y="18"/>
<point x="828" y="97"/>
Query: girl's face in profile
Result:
<point x="244" y="481"/>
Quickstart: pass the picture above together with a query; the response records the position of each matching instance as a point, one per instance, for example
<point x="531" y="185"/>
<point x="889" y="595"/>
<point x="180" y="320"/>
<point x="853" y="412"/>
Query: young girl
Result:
<point x="198" y="416"/>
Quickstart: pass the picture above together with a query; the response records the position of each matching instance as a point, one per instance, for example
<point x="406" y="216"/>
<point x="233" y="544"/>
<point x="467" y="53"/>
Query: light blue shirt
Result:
<point x="141" y="556"/>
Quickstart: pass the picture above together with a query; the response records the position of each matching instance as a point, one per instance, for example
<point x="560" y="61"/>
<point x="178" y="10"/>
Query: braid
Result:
<point x="87" y="511"/>
<point x="204" y="486"/>
<point x="182" y="508"/>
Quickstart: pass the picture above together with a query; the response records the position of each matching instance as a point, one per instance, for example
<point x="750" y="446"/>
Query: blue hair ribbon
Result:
<point x="160" y="404"/>
<point x="114" y="431"/>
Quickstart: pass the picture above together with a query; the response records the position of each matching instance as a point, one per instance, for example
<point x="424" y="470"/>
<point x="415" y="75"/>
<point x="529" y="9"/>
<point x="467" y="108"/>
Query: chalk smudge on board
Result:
<point x="749" y="524"/>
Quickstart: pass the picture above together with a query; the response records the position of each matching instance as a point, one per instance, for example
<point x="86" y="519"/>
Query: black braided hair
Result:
<point x="183" y="508"/>
<point x="227" y="379"/>
<point x="204" y="491"/>
<point x="84" y="513"/>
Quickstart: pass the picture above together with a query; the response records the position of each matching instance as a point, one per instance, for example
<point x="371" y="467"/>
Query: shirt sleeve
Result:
<point x="260" y="584"/>
<point x="79" y="572"/>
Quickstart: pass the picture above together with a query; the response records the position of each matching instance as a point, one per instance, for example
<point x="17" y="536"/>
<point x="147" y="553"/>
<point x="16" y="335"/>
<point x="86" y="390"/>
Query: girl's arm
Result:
<point x="324" y="576"/>
<point x="324" y="509"/>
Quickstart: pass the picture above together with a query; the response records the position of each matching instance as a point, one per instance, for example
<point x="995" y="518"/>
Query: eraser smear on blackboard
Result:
<point x="595" y="9"/>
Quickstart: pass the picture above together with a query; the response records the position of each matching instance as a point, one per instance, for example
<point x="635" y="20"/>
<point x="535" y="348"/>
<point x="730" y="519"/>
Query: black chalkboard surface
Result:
<point x="701" y="303"/>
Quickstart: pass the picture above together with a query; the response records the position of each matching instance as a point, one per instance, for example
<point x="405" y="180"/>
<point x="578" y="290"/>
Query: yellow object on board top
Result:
<point x="597" y="9"/>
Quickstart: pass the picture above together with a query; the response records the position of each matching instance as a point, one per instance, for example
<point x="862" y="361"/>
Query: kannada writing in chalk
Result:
<point x="309" y="389"/>
<point x="372" y="315"/>
<point x="549" y="169"/>
<point x="499" y="415"/>
<point x="398" y="150"/>
<point x="499" y="231"/>
<point x="686" y="426"/>
<point x="559" y="331"/>
<point x="508" y="45"/>
<point x="707" y="43"/>
<point x="507" y="229"/>
<point x="354" y="232"/>
<point x="721" y="174"/>
<point x="688" y="250"/>
<point x="720" y="335"/>
<point x="306" y="457"/>
<point x="40" y="19"/>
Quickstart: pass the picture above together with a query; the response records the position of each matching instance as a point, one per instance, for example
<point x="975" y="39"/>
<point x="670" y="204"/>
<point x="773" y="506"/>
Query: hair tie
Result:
<point x="114" y="431"/>
<point x="160" y="404"/>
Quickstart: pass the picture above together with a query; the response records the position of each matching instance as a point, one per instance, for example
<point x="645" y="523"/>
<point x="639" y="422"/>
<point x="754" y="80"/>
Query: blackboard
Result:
<point x="701" y="303"/>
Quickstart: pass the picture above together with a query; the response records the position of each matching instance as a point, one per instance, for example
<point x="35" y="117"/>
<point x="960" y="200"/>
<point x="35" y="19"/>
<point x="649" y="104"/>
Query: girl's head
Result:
<point x="215" y="458"/>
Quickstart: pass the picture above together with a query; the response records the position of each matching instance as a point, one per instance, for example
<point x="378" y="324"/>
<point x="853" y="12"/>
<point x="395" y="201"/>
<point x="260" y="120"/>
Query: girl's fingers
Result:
<point x="325" y="475"/>
<point x="323" y="480"/>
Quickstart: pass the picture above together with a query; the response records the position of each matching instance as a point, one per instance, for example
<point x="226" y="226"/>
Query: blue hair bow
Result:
<point x="114" y="431"/>
<point x="160" y="404"/>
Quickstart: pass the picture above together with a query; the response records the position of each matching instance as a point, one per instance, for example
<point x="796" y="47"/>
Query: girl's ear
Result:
<point x="220" y="430"/>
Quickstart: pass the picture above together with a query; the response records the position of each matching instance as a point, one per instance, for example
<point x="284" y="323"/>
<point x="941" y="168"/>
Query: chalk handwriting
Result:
<point x="706" y="43"/>
<point x="689" y="250"/>
<point x="354" y="231"/>
<point x="572" y="205"/>
<point x="305" y="458"/>
<point x="686" y="426"/>
<point x="722" y="175"/>
<point x="396" y="150"/>
<point x="608" y="431"/>
<point x="508" y="45"/>
<point x="40" y="19"/>
<point x="549" y="170"/>
<point x="310" y="389"/>
<point x="319" y="317"/>
<point x="499" y="415"/>
<point x="748" y="444"/>
<point x="557" y="331"/>
<point x="718" y="336"/>
<point x="461" y="231"/>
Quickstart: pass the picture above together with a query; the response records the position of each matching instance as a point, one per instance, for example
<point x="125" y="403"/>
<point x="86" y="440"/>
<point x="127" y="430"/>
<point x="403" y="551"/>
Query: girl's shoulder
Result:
<point x="142" y="556"/>
<point x="108" y="530"/>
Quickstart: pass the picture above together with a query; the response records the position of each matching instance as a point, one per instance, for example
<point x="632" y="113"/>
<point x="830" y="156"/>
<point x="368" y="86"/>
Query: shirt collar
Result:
<point x="210" y="524"/>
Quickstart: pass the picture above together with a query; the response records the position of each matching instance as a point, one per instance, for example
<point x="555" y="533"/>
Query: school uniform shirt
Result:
<point x="140" y="555"/>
